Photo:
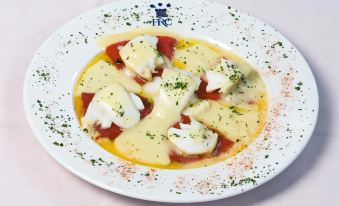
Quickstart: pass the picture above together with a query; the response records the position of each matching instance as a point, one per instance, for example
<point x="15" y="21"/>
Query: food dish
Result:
<point x="166" y="101"/>
<point x="289" y="111"/>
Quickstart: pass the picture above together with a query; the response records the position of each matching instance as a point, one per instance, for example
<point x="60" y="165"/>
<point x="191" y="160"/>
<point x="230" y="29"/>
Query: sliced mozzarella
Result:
<point x="217" y="80"/>
<point x="197" y="108"/>
<point x="196" y="58"/>
<point x="101" y="75"/>
<point x="194" y="77"/>
<point x="141" y="55"/>
<point x="113" y="104"/>
<point x="193" y="139"/>
<point x="175" y="92"/>
<point x="137" y="101"/>
<point x="224" y="76"/>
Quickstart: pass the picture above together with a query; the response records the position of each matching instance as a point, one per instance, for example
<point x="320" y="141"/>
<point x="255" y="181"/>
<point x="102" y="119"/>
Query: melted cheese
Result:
<point x="113" y="104"/>
<point x="193" y="139"/>
<point x="147" y="142"/>
<point x="101" y="75"/>
<point x="196" y="58"/>
<point x="141" y="56"/>
<point x="236" y="123"/>
<point x="224" y="76"/>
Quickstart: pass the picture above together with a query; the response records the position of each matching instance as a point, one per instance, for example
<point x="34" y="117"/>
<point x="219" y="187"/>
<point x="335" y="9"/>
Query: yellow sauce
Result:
<point x="248" y="126"/>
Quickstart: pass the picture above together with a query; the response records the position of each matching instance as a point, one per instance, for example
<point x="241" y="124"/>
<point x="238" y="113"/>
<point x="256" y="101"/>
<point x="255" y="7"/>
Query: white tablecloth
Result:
<point x="29" y="176"/>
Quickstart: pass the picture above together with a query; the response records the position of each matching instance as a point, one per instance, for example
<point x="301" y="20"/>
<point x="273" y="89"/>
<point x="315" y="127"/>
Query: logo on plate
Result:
<point x="161" y="16"/>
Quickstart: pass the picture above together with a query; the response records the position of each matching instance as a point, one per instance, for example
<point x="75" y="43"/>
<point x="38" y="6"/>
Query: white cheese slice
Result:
<point x="113" y="104"/>
<point x="193" y="139"/>
<point x="224" y="76"/>
<point x="141" y="55"/>
<point x="196" y="59"/>
<point x="194" y="77"/>
<point x="197" y="108"/>
<point x="101" y="75"/>
<point x="174" y="89"/>
<point x="234" y="122"/>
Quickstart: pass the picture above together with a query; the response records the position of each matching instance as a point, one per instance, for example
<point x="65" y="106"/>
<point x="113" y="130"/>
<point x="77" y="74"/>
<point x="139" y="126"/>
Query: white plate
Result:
<point x="293" y="108"/>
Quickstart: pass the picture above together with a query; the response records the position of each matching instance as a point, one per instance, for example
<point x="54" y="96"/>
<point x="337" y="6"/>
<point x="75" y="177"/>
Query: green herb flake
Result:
<point x="58" y="144"/>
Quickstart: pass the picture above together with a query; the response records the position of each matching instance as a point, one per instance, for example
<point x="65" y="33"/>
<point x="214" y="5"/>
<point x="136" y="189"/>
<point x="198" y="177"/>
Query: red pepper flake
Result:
<point x="251" y="102"/>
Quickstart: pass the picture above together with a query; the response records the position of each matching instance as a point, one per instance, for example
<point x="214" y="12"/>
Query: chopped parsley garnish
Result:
<point x="151" y="136"/>
<point x="299" y="86"/>
<point x="279" y="43"/>
<point x="58" y="144"/>
<point x="180" y="85"/>
<point x="234" y="110"/>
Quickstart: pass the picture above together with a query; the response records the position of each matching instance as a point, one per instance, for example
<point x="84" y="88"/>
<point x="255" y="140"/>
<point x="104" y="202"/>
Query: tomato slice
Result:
<point x="166" y="45"/>
<point x="148" y="107"/>
<point x="223" y="143"/>
<point x="139" y="80"/>
<point x="111" y="132"/>
<point x="202" y="94"/>
<point x="175" y="157"/>
<point x="86" y="99"/>
<point x="113" y="52"/>
<point x="184" y="119"/>
<point x="158" y="72"/>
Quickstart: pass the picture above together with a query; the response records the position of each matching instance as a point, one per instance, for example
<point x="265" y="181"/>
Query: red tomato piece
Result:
<point x="223" y="143"/>
<point x="113" y="52"/>
<point x="86" y="99"/>
<point x="166" y="45"/>
<point x="111" y="132"/>
<point x="148" y="107"/>
<point x="139" y="80"/>
<point x="158" y="72"/>
<point x="202" y="94"/>
<point x="176" y="125"/>
<point x="184" y="119"/>
<point x="175" y="157"/>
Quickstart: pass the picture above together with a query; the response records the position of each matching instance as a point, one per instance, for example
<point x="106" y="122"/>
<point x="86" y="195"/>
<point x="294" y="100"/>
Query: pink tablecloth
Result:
<point x="29" y="176"/>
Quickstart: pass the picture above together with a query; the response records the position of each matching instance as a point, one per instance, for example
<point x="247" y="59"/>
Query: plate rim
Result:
<point x="206" y="198"/>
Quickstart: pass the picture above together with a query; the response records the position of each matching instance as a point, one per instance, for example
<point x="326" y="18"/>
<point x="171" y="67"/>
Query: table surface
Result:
<point x="28" y="175"/>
